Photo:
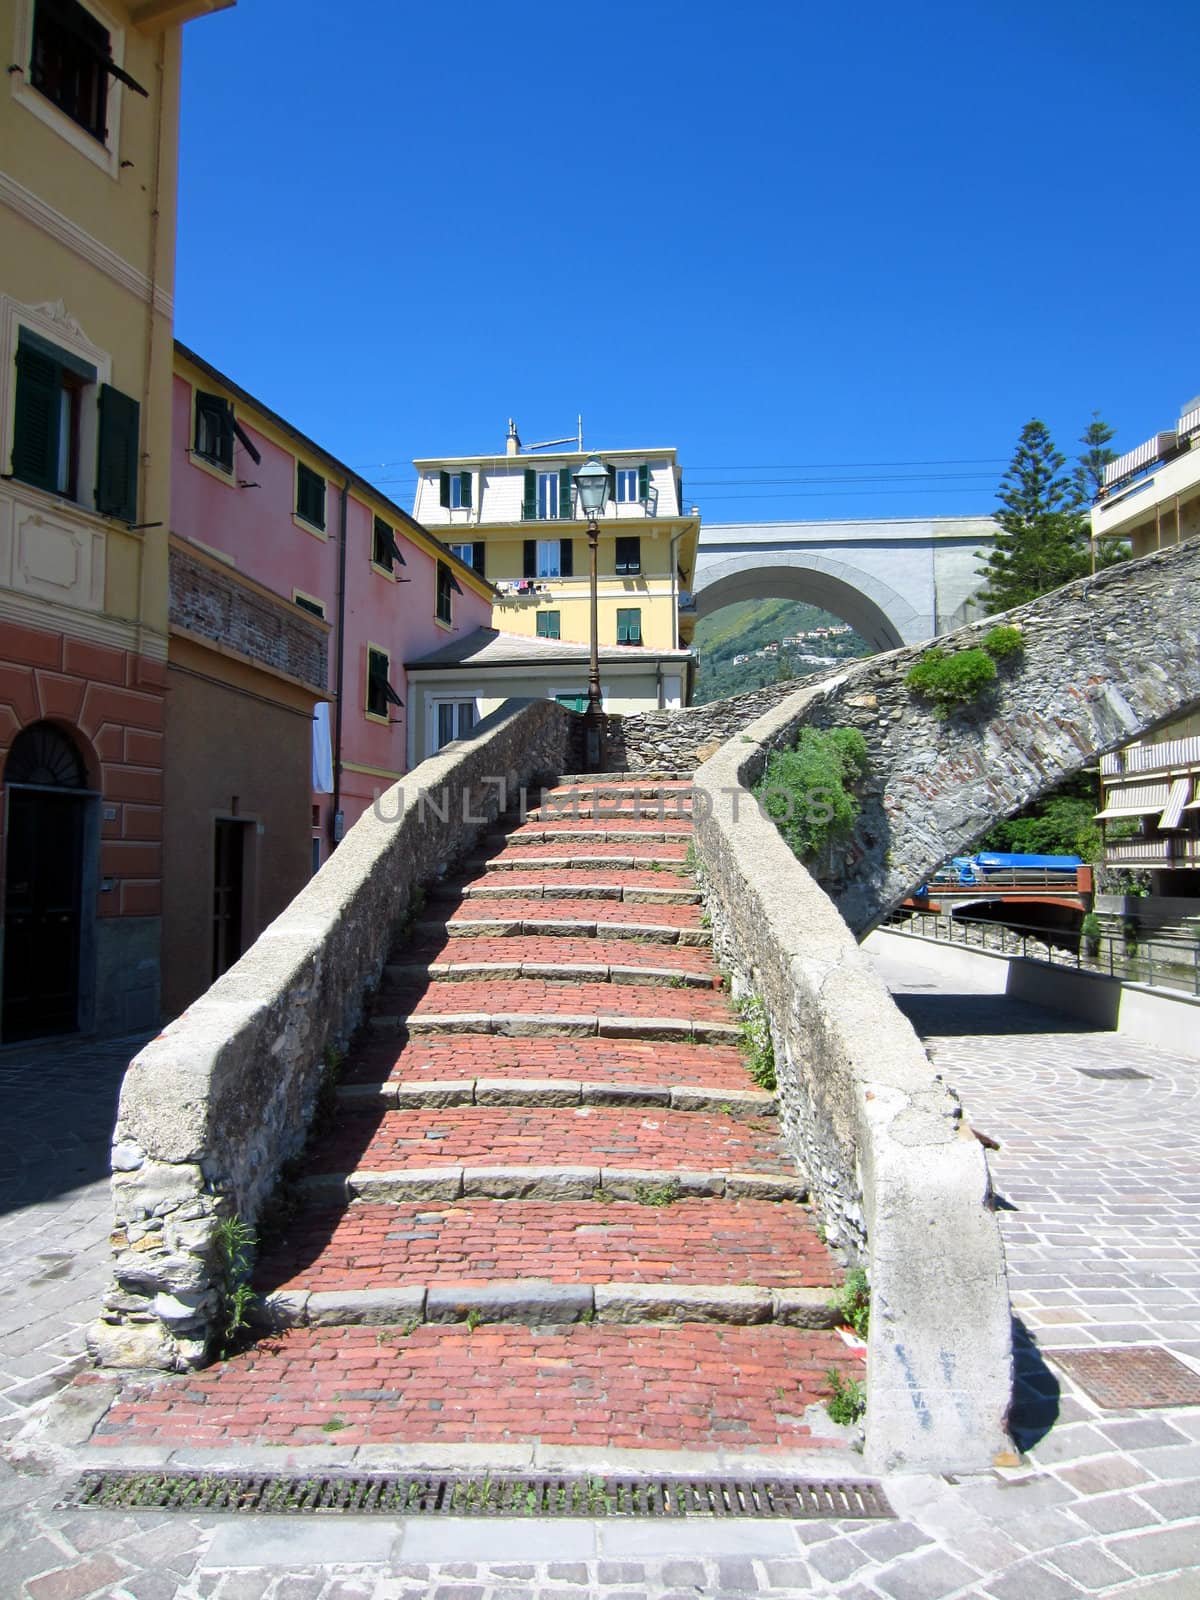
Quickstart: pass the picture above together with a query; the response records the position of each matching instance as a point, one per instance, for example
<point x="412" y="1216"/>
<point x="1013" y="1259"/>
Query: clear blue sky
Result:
<point x="776" y="236"/>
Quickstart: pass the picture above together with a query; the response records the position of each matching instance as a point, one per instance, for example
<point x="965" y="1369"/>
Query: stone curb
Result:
<point x="552" y="1183"/>
<point x="562" y="928"/>
<point x="592" y="835"/>
<point x="549" y="971"/>
<point x="535" y="1301"/>
<point x="566" y="891"/>
<point x="574" y="863"/>
<point x="556" y="1025"/>
<point x="555" y="1092"/>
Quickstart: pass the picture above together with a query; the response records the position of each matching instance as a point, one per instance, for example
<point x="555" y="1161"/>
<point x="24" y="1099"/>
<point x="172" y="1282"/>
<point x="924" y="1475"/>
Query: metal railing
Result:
<point x="1167" y="754"/>
<point x="1180" y="850"/>
<point x="1159" y="962"/>
<point x="1145" y="455"/>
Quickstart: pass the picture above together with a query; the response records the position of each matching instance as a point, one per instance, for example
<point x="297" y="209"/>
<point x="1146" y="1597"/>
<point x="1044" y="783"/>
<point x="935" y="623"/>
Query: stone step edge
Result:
<point x="625" y="893"/>
<point x="561" y="928"/>
<point x="555" y="1025"/>
<point x="534" y="1302"/>
<point x="675" y="867"/>
<point x="649" y="1185"/>
<point x="526" y="834"/>
<point x="550" y="971"/>
<point x="413" y="1094"/>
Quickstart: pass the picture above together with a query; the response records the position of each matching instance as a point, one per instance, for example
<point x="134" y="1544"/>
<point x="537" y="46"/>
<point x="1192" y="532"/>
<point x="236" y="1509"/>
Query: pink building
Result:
<point x="249" y="488"/>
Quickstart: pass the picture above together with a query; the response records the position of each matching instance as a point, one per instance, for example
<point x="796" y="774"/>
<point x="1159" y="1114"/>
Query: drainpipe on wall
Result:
<point x="160" y="67"/>
<point x="337" y="823"/>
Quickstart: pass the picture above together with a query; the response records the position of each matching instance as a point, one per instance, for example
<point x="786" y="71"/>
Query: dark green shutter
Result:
<point x="566" y="558"/>
<point x="444" y="489"/>
<point x="479" y="556"/>
<point x="465" y="491"/>
<point x="35" y="432"/>
<point x="529" y="568"/>
<point x="644" y="482"/>
<point x="117" y="462"/>
<point x="529" y="505"/>
<point x="612" y="484"/>
<point x="564" y="491"/>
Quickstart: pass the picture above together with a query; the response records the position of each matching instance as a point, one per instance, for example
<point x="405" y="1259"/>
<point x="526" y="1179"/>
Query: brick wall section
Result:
<point x="111" y="701"/>
<point x="1106" y="660"/>
<point x="212" y="1108"/>
<point x="216" y="605"/>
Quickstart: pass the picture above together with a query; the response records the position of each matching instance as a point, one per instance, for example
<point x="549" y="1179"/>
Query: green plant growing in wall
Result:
<point x="1003" y="642"/>
<point x="658" y="1194"/>
<point x="807" y="791"/>
<point x="848" y="1402"/>
<point x="951" y="680"/>
<point x="235" y="1241"/>
<point x="853" y="1302"/>
<point x="756" y="1043"/>
<point x="1090" y="930"/>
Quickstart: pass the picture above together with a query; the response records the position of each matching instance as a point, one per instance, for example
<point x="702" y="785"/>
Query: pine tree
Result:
<point x="1044" y="537"/>
<point x="1091" y="462"/>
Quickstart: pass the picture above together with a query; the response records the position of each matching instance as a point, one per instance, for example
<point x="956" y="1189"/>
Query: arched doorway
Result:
<point x="47" y="802"/>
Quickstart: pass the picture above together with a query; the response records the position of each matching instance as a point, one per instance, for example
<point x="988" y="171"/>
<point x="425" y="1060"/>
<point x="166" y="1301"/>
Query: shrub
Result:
<point x="847" y="1402"/>
<point x="1090" y="930"/>
<point x="806" y="791"/>
<point x="853" y="1301"/>
<point x="1003" y="642"/>
<point x="951" y="680"/>
<point x="756" y="1043"/>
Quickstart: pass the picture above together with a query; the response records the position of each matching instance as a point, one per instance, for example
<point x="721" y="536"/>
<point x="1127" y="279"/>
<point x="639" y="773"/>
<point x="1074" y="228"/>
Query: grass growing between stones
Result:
<point x="756" y="1045"/>
<point x="235" y="1242"/>
<point x="848" y="1401"/>
<point x="853" y="1302"/>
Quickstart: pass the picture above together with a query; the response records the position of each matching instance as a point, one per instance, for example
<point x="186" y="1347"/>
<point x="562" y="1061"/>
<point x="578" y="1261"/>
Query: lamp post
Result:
<point x="591" y="482"/>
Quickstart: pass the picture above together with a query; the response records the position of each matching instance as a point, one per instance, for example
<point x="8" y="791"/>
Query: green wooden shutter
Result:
<point x="444" y="489"/>
<point x="529" y="566"/>
<point x="117" y="460"/>
<point x="644" y="482"/>
<point x="479" y="556"/>
<point x="465" y="492"/>
<point x="564" y="491"/>
<point x="529" y="504"/>
<point x="36" y="426"/>
<point x="566" y="558"/>
<point x="612" y="484"/>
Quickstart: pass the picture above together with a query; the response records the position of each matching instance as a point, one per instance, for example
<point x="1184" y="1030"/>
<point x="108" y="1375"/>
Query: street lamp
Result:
<point x="591" y="483"/>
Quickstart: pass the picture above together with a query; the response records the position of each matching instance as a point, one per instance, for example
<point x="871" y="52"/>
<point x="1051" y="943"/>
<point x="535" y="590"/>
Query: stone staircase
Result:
<point x="551" y="1205"/>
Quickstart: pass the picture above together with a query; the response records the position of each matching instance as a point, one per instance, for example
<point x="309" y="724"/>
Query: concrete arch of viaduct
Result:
<point x="872" y="608"/>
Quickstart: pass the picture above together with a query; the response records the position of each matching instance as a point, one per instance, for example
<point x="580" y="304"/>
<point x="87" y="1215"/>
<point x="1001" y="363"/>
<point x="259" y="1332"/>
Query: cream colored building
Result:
<point x="88" y="147"/>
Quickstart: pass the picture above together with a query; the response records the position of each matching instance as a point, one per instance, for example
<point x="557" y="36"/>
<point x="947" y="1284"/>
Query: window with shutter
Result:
<point x="445" y="589"/>
<point x="529" y="507"/>
<point x="547" y="496"/>
<point x="629" y="626"/>
<point x="117" y="455"/>
<point x="479" y="556"/>
<point x="380" y="694"/>
<point x="310" y="496"/>
<point x="70" y="63"/>
<point x="48" y="415"/>
<point x="307" y="603"/>
<point x="564" y="491"/>
<point x="549" y="558"/>
<point x="643" y="482"/>
<point x="629" y="556"/>
<point x="566" y="558"/>
<point x="213" y="438"/>
<point x="529" y="563"/>
<point x="548" y="624"/>
<point x="464" y="490"/>
<point x="444" y="489"/>
<point x="385" y="552"/>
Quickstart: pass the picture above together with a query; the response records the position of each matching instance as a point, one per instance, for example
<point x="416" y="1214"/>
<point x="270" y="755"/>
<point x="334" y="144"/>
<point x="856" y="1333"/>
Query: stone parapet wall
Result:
<point x="901" y="1182"/>
<point x="214" y="1106"/>
<point x="678" y="741"/>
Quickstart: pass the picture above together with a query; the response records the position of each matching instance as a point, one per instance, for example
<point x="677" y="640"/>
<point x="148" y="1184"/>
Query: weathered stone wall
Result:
<point x="677" y="741"/>
<point x="217" y="604"/>
<point x="901" y="1182"/>
<point x="212" y="1108"/>
<point x="1106" y="660"/>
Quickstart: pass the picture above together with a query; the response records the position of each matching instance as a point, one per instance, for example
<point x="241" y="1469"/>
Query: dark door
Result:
<point x="228" y="887"/>
<point x="42" y="896"/>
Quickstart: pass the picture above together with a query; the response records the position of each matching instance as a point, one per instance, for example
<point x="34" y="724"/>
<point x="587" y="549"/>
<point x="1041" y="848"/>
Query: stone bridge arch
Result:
<point x="1107" y="660"/>
<point x="872" y="608"/>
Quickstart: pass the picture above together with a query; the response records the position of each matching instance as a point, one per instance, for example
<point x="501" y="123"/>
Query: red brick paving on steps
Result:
<point x="695" y="1241"/>
<point x="695" y="1384"/>
<point x="697" y="1387"/>
<point x="552" y="1136"/>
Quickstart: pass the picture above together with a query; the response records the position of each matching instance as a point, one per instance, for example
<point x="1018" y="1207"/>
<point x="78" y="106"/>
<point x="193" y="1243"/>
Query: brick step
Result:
<point x="434" y="1059"/>
<point x="557" y="1014"/>
<point x="670" y="830"/>
<point x="692" y="961"/>
<point x="598" y="1387"/>
<point x="569" y="919"/>
<point x="631" y="888"/>
<point x="471" y="1133"/>
<point x="537" y="1303"/>
<point x="407" y="974"/>
<point x="480" y="1239"/>
<point x="521" y="1181"/>
<point x="548" y="997"/>
<point x="414" y="1094"/>
<point x="597" y="857"/>
<point x="677" y="807"/>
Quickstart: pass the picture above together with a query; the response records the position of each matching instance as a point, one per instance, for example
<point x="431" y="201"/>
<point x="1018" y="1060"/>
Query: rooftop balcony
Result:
<point x="1157" y="476"/>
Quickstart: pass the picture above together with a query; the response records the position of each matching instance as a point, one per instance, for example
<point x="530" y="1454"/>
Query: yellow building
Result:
<point x="515" y="517"/>
<point x="88" y="146"/>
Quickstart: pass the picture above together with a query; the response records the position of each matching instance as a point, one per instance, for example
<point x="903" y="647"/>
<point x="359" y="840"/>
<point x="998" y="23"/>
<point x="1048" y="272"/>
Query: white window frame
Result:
<point x="547" y="499"/>
<point x="107" y="156"/>
<point x="464" y="552"/>
<point x="52" y="323"/>
<point x="456" y="502"/>
<point x="455" y="703"/>
<point x="546" y="560"/>
<point x="627" y="486"/>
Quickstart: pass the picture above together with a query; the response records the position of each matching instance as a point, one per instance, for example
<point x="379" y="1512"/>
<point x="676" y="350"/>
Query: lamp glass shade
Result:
<point x="591" y="481"/>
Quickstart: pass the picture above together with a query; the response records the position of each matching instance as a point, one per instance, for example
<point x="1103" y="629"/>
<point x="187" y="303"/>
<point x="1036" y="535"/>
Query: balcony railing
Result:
<point x="1178" y="850"/>
<point x="1135" y="461"/>
<point x="1189" y="423"/>
<point x="1166" y="756"/>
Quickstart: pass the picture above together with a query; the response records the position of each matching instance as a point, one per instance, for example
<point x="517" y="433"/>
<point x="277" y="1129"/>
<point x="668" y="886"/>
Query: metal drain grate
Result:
<point x="1123" y="1376"/>
<point x="451" y="1495"/>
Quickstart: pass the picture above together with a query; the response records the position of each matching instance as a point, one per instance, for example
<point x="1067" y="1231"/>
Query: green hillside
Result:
<point x="751" y="625"/>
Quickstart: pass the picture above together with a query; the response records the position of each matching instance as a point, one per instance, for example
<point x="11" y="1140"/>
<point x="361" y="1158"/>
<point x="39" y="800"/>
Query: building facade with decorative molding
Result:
<point x="516" y="518"/>
<point x="1151" y="789"/>
<point x="88" y="147"/>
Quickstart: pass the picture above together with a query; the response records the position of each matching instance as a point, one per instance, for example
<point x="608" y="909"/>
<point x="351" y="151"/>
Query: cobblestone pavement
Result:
<point x="1099" y="1179"/>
